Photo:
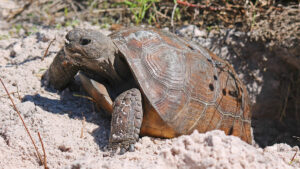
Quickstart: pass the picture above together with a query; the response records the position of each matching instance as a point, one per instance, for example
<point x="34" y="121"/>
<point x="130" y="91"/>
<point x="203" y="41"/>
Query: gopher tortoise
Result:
<point x="152" y="82"/>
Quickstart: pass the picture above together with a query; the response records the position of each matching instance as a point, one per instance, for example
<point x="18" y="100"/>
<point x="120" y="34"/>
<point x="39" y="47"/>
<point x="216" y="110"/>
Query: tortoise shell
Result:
<point x="185" y="86"/>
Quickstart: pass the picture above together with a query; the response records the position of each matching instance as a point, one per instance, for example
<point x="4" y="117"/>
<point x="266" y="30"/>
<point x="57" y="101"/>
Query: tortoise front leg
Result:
<point x="126" y="121"/>
<point x="60" y="73"/>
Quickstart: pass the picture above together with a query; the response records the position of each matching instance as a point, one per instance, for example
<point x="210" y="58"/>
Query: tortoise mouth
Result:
<point x="73" y="55"/>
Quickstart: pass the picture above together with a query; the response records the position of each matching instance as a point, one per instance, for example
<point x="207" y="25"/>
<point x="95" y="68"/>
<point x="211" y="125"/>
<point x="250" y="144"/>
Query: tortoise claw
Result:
<point x="45" y="81"/>
<point x="131" y="148"/>
<point x="122" y="151"/>
<point x="120" y="148"/>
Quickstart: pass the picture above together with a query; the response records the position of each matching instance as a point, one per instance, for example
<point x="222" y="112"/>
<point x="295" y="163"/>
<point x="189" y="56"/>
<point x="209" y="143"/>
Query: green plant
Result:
<point x="209" y="28"/>
<point x="18" y="28"/>
<point x="58" y="26"/>
<point x="66" y="12"/>
<point x="177" y="14"/>
<point x="104" y="26"/>
<point x="72" y="23"/>
<point x="139" y="9"/>
<point x="254" y="13"/>
<point x="92" y="4"/>
<point x="4" y="37"/>
<point x="32" y="30"/>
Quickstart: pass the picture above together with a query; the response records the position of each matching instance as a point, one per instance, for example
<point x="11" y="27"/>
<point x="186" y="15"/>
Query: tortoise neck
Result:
<point x="108" y="70"/>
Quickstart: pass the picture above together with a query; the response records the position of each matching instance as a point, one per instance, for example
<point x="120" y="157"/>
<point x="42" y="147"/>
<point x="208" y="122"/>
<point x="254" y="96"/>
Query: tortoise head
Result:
<point x="84" y="46"/>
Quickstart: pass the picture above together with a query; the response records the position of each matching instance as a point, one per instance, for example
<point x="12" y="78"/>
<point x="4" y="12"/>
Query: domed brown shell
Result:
<point x="186" y="85"/>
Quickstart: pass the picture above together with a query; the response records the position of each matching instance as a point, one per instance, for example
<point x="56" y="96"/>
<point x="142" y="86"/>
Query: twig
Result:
<point x="73" y="7"/>
<point x="163" y="15"/>
<point x="46" y="51"/>
<point x="172" y="18"/>
<point x="19" y="11"/>
<point x="293" y="157"/>
<point x="155" y="10"/>
<point x="92" y="4"/>
<point x="199" y="6"/>
<point x="15" y="108"/>
<point x="45" y="157"/>
<point x="83" y="125"/>
<point x="283" y="112"/>
<point x="93" y="107"/>
<point x="6" y="94"/>
<point x="18" y="93"/>
<point x="111" y="10"/>
<point x="55" y="4"/>
<point x="86" y="97"/>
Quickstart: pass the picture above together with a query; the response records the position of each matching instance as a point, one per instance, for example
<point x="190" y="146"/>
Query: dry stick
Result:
<point x="172" y="19"/>
<point x="162" y="15"/>
<point x="283" y="112"/>
<point x="199" y="6"/>
<point x="86" y="97"/>
<point x="92" y="4"/>
<point x="217" y="8"/>
<point x="45" y="157"/>
<point x="73" y="7"/>
<point x="111" y="10"/>
<point x="19" y="11"/>
<point x="293" y="157"/>
<point x="46" y="51"/>
<point x="15" y="108"/>
<point x="83" y="126"/>
<point x="6" y="94"/>
<point x="18" y="93"/>
<point x="155" y="10"/>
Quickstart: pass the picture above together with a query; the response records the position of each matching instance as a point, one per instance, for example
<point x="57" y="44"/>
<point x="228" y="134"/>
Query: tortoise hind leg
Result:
<point x="126" y="120"/>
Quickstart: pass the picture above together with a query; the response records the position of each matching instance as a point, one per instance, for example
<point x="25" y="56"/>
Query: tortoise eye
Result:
<point x="84" y="41"/>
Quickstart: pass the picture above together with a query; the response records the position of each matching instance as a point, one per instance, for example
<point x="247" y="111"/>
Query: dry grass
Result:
<point x="47" y="49"/>
<point x="209" y="14"/>
<point x="27" y="130"/>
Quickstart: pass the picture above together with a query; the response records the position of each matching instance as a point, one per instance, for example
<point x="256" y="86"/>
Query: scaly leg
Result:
<point x="126" y="121"/>
<point x="60" y="73"/>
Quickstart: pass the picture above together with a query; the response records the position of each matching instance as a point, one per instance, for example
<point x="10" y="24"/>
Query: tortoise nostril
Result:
<point x="84" y="41"/>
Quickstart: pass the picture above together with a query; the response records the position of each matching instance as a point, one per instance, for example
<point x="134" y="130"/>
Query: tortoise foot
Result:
<point x="45" y="80"/>
<point x="60" y="73"/>
<point x="126" y="121"/>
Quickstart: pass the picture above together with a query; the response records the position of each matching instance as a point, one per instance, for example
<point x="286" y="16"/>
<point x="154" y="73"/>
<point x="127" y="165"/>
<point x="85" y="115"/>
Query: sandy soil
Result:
<point x="61" y="118"/>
